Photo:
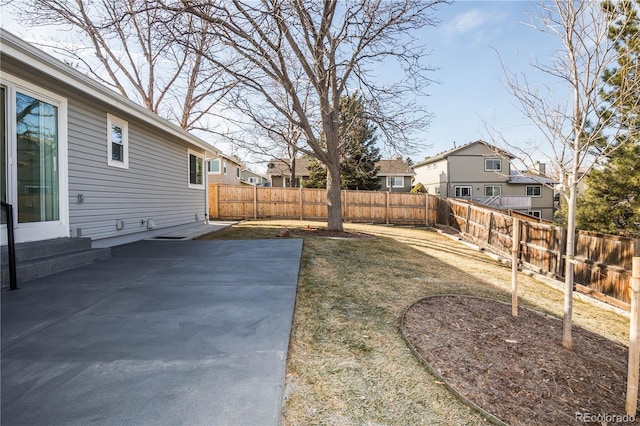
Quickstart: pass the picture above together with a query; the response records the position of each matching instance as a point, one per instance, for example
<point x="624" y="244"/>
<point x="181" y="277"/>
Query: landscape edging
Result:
<point x="433" y="371"/>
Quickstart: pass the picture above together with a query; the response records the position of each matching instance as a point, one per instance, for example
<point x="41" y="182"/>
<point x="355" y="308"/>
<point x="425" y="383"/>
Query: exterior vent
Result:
<point x="119" y="224"/>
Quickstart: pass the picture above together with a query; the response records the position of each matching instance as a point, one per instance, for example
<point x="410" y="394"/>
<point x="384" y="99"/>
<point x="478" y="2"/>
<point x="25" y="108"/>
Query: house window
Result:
<point x="395" y="182"/>
<point x="117" y="142"/>
<point x="492" y="165"/>
<point x="252" y="180"/>
<point x="238" y="173"/>
<point x="535" y="213"/>
<point x="534" y="191"/>
<point x="224" y="167"/>
<point x="196" y="167"/>
<point x="287" y="182"/>
<point x="492" y="191"/>
<point x="213" y="166"/>
<point x="462" y="191"/>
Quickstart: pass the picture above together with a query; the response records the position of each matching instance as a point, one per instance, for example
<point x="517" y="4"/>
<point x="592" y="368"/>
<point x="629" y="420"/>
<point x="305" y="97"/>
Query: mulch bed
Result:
<point x="515" y="368"/>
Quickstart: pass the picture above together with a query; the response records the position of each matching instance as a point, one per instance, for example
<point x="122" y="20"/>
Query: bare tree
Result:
<point x="136" y="53"/>
<point x="339" y="46"/>
<point x="260" y="130"/>
<point x="577" y="129"/>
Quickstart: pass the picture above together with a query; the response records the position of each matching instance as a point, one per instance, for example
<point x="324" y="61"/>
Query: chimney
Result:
<point x="541" y="168"/>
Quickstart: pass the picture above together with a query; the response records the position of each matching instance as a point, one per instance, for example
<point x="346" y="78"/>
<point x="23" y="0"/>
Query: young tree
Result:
<point x="577" y="130"/>
<point x="359" y="155"/>
<point x="133" y="49"/>
<point x="336" y="44"/>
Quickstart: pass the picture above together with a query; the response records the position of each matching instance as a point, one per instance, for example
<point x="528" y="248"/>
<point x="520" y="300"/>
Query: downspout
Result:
<point x="205" y="172"/>
<point x="448" y="175"/>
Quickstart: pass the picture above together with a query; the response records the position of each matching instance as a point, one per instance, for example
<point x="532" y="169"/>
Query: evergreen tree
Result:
<point x="358" y="154"/>
<point x="317" y="174"/>
<point x="611" y="201"/>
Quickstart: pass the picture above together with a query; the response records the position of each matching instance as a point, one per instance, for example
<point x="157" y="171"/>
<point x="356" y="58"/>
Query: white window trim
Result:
<point x="526" y="190"/>
<point x="111" y="120"/>
<point x="391" y="183"/>
<point x="492" y="170"/>
<point x="535" y="213"/>
<point x="219" y="172"/>
<point x="493" y="186"/>
<point x="463" y="186"/>
<point x="201" y="157"/>
<point x="224" y="167"/>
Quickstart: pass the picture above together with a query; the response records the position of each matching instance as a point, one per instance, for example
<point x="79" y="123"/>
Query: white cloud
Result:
<point x="476" y="26"/>
<point x="467" y="21"/>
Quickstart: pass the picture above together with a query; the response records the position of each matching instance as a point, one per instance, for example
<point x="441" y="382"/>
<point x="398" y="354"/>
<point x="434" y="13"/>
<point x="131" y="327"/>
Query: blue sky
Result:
<point x="471" y="93"/>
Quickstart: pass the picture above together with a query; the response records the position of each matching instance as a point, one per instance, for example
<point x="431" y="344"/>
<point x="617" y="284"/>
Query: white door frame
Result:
<point x="35" y="231"/>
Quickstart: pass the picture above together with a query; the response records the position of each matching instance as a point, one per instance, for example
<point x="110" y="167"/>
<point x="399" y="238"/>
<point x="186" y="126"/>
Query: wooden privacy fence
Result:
<point x="232" y="202"/>
<point x="602" y="262"/>
<point x="602" y="265"/>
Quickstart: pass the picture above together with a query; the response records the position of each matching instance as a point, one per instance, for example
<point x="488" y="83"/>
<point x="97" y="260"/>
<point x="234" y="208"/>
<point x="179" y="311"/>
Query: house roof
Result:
<point x="445" y="154"/>
<point x="277" y="167"/>
<point x="517" y="177"/>
<point x="395" y="167"/>
<point x="231" y="158"/>
<point x="26" y="53"/>
<point x="249" y="171"/>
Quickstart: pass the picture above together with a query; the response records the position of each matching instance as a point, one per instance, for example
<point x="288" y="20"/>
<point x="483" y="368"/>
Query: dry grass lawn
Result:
<point x="348" y="363"/>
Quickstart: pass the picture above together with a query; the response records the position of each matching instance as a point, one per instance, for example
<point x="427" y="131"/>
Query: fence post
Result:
<point x="490" y="226"/>
<point x="255" y="202"/>
<point x="634" y="342"/>
<point x="301" y="205"/>
<point x="386" y="211"/>
<point x="515" y="248"/>
<point x="466" y="226"/>
<point x="344" y="204"/>
<point x="214" y="201"/>
<point x="562" y="249"/>
<point x="426" y="208"/>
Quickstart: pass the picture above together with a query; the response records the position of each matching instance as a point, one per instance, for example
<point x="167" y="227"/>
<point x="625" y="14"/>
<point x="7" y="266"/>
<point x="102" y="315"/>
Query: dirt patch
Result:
<point x="515" y="367"/>
<point x="326" y="233"/>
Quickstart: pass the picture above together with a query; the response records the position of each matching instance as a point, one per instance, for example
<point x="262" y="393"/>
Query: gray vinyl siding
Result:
<point x="155" y="186"/>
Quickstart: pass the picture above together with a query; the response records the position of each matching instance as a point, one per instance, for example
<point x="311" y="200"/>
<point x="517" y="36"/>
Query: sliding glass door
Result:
<point x="34" y="161"/>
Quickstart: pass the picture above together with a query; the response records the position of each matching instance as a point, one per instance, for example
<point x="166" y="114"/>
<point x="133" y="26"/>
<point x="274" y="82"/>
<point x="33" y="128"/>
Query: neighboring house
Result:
<point x="483" y="173"/>
<point x="279" y="172"/>
<point x="80" y="160"/>
<point x="224" y="169"/>
<point x="395" y="175"/>
<point x="253" y="178"/>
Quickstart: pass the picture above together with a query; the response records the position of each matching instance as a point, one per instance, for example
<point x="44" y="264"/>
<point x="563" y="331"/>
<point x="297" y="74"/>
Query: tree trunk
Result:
<point x="569" y="263"/>
<point x="292" y="183"/>
<point x="334" y="197"/>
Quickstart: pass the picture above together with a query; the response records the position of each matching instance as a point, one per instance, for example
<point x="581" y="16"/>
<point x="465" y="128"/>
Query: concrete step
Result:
<point x="46" y="248"/>
<point x="36" y="260"/>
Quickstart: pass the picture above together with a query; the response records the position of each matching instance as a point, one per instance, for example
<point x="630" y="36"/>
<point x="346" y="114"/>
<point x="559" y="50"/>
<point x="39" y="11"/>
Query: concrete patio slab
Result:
<point x="163" y="333"/>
